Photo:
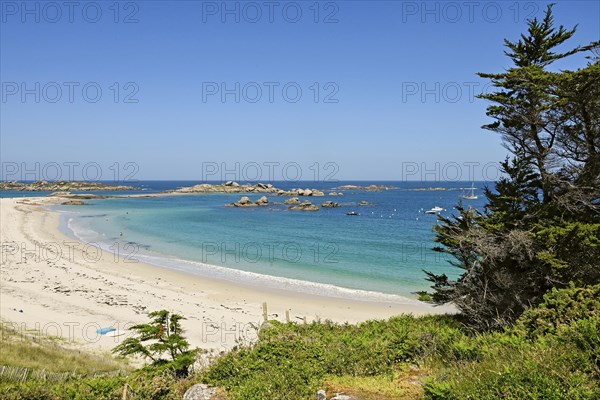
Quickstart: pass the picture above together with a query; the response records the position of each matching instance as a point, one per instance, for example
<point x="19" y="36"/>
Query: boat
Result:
<point x="352" y="213"/>
<point x="435" y="210"/>
<point x="470" y="195"/>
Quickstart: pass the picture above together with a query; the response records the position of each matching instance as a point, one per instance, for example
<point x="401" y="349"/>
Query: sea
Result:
<point x="380" y="254"/>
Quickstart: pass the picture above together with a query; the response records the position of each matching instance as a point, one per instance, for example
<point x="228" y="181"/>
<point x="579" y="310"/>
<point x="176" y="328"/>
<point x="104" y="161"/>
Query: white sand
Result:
<point x="63" y="291"/>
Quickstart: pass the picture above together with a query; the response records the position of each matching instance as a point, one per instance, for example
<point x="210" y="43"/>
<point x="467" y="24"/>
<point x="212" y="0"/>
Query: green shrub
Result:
<point x="90" y="388"/>
<point x="25" y="391"/>
<point x="560" y="307"/>
<point x="543" y="370"/>
<point x="294" y="359"/>
<point x="551" y="353"/>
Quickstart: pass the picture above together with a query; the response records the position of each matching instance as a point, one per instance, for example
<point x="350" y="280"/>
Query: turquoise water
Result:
<point x="384" y="250"/>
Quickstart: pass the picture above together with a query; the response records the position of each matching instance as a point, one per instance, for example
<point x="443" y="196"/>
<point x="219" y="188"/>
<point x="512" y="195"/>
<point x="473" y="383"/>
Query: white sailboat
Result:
<point x="470" y="195"/>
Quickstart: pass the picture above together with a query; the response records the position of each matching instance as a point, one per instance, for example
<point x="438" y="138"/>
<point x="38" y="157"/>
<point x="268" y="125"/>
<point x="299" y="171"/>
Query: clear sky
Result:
<point x="190" y="88"/>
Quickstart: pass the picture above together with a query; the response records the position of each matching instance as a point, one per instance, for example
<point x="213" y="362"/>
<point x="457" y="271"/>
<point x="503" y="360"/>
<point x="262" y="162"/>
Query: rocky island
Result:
<point x="293" y="204"/>
<point x="370" y="188"/>
<point x="246" y="202"/>
<point x="306" y="205"/>
<point x="62" y="186"/>
<point x="234" y="187"/>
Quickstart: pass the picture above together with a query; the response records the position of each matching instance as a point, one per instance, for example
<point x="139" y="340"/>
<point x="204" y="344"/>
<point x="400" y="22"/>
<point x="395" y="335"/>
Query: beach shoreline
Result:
<point x="69" y="289"/>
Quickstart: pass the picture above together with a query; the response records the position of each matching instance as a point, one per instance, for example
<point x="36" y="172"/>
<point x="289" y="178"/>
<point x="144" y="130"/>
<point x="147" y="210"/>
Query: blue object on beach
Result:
<point x="104" y="331"/>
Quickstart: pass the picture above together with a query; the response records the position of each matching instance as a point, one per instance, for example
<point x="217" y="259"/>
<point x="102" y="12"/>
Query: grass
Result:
<point x="46" y="353"/>
<point x="36" y="352"/>
<point x="552" y="352"/>
<point x="402" y="384"/>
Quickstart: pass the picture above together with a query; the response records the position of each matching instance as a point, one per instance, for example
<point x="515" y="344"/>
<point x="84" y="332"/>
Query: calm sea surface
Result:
<point x="379" y="253"/>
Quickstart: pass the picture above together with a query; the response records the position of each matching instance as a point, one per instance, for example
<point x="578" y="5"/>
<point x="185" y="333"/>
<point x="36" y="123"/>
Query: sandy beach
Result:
<point x="55" y="285"/>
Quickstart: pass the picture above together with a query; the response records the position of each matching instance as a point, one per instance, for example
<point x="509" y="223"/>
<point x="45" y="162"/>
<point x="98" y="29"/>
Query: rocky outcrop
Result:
<point x="322" y="395"/>
<point x="336" y="194"/>
<point x="246" y="202"/>
<point x="73" y="203"/>
<point x="429" y="189"/>
<point x="86" y="196"/>
<point x="199" y="391"/>
<point x="243" y="202"/>
<point x="234" y="187"/>
<point x="11" y="185"/>
<point x="263" y="201"/>
<point x="301" y="192"/>
<point x="370" y="188"/>
<point x="329" y="204"/>
<point x="304" y="206"/>
<point x="63" y="186"/>
<point x="293" y="200"/>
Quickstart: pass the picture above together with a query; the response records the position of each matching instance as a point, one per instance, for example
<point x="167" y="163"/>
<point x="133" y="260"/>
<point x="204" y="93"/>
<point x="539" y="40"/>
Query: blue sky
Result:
<point x="386" y="86"/>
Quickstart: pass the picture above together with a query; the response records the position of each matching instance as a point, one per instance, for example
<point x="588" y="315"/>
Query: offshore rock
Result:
<point x="243" y="202"/>
<point x="62" y="186"/>
<point x="263" y="201"/>
<point x="305" y="206"/>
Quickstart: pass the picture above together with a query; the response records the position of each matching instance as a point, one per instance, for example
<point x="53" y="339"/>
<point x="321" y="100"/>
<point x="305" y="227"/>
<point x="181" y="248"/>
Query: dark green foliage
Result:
<point x="569" y="251"/>
<point x="516" y="195"/>
<point x="162" y="337"/>
<point x="560" y="308"/>
<point x="534" y="49"/>
<point x="541" y="225"/>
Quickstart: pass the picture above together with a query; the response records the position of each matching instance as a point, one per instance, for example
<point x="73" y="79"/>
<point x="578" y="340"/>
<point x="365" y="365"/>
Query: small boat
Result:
<point x="352" y="213"/>
<point x="470" y="195"/>
<point x="435" y="210"/>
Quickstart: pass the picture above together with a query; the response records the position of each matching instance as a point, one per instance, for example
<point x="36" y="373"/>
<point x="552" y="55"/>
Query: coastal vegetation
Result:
<point x="551" y="352"/>
<point x="540" y="228"/>
<point x="33" y="351"/>
<point x="162" y="342"/>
